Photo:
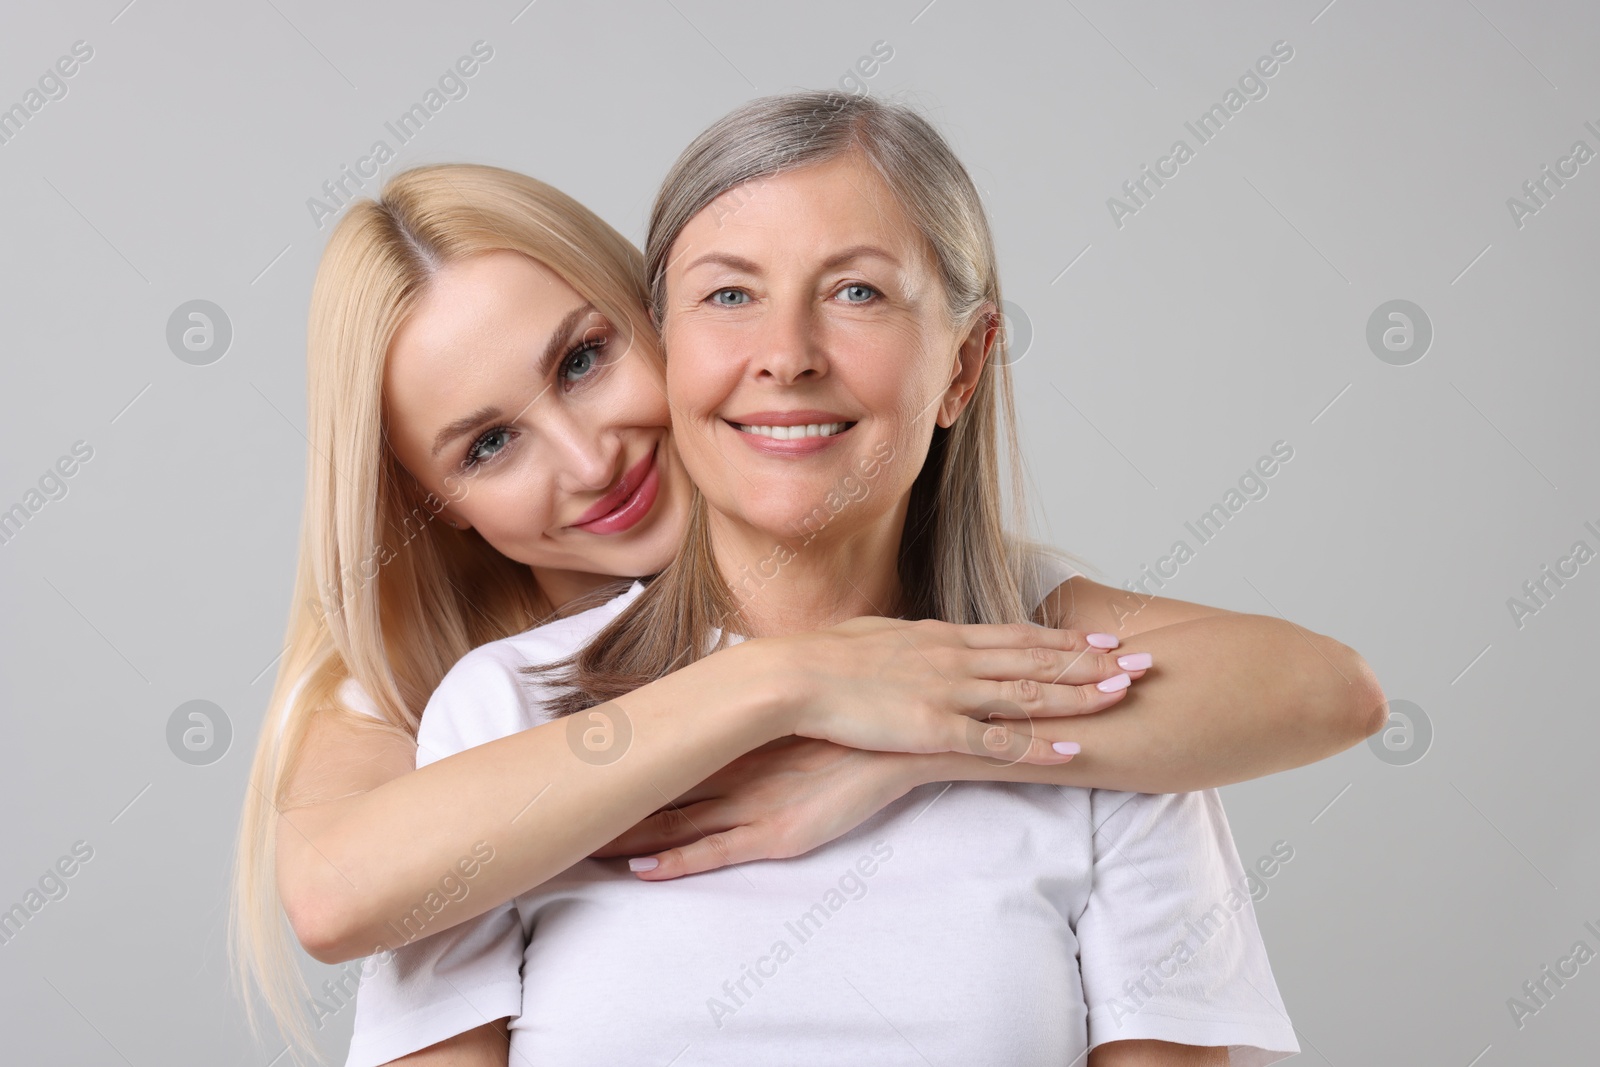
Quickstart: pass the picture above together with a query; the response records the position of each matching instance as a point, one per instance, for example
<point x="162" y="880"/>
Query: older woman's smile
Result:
<point x="790" y="433"/>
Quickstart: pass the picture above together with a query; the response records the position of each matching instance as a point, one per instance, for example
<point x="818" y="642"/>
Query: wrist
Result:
<point x="913" y="769"/>
<point x="777" y="701"/>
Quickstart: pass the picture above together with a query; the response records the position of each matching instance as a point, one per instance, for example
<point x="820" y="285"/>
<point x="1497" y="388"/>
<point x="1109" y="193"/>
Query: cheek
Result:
<point x="894" y="369"/>
<point x="702" y="366"/>
<point x="634" y="396"/>
<point x="510" y="509"/>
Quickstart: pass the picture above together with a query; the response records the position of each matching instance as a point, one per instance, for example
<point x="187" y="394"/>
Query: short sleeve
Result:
<point x="483" y="698"/>
<point x="447" y="983"/>
<point x="437" y="987"/>
<point x="1168" y="941"/>
<point x="351" y="693"/>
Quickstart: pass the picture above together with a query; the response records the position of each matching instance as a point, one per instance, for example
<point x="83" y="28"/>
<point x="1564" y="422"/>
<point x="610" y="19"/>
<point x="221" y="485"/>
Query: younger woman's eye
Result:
<point x="730" y="297"/>
<point x="857" y="293"/>
<point x="582" y="361"/>
<point x="488" y="445"/>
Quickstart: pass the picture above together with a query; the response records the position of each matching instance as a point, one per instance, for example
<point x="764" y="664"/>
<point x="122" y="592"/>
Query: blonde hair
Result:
<point x="383" y="594"/>
<point x="958" y="560"/>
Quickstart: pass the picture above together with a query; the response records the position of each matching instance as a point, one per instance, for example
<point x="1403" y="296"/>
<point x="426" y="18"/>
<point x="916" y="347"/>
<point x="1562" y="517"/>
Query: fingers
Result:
<point x="1027" y="635"/>
<point x="1055" y="666"/>
<point x="666" y="829"/>
<point x="1002" y="744"/>
<point x="1021" y="699"/>
<point x="734" y="845"/>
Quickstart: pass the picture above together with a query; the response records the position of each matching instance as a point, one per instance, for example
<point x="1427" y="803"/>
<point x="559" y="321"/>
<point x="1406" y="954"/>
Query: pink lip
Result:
<point x="799" y="446"/>
<point x="631" y="500"/>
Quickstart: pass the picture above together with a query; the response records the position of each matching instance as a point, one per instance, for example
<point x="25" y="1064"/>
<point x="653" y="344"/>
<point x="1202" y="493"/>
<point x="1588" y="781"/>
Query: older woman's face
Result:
<point x="809" y="350"/>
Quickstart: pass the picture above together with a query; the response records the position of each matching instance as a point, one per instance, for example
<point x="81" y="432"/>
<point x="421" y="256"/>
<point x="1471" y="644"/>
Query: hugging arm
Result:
<point x="1229" y="697"/>
<point x="362" y="842"/>
<point x="365" y="839"/>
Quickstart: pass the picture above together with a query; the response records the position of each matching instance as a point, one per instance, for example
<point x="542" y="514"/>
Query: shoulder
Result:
<point x="348" y="694"/>
<point x="488" y="694"/>
<point x="1044" y="569"/>
<point x="547" y="643"/>
<point x="354" y="695"/>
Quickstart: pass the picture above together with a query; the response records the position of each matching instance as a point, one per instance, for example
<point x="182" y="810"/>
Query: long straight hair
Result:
<point x="384" y="594"/>
<point x="959" y="560"/>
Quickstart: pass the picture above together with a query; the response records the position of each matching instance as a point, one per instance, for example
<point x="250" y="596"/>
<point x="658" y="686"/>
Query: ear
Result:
<point x="970" y="359"/>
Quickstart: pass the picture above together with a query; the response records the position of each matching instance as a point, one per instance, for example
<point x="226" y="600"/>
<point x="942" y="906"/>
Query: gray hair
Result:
<point x="959" y="560"/>
<point x="778" y="133"/>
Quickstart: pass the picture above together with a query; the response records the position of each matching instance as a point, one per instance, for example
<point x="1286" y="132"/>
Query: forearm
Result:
<point x="353" y="870"/>
<point x="1231" y="697"/>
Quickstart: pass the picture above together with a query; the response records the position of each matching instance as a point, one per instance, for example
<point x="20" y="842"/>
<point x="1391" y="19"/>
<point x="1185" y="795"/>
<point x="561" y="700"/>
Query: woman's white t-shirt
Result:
<point x="965" y="923"/>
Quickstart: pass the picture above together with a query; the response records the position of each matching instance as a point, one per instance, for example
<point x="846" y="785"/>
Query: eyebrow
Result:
<point x="739" y="263"/>
<point x="553" y="349"/>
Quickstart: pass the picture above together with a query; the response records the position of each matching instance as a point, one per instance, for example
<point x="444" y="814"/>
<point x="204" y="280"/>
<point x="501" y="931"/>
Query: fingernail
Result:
<point x="647" y="863"/>
<point x="1102" y="640"/>
<point x="1135" y="661"/>
<point x="1112" y="684"/>
<point x="1067" y="748"/>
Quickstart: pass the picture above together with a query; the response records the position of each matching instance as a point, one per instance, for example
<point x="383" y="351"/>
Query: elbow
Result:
<point x="1364" y="709"/>
<point x="323" y="924"/>
<point x="1340" y="699"/>
<point x="317" y="932"/>
<point x="1374" y="714"/>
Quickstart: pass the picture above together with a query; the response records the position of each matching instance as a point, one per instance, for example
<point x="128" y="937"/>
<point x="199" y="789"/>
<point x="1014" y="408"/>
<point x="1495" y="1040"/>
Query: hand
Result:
<point x="781" y="800"/>
<point x="889" y="685"/>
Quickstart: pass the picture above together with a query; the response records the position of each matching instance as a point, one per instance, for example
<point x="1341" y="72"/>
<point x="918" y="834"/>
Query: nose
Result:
<point x="789" y="349"/>
<point x="585" y="456"/>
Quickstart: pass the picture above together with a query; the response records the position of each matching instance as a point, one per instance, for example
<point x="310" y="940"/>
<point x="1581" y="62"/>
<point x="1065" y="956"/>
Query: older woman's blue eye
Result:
<point x="730" y="297"/>
<point x="858" y="294"/>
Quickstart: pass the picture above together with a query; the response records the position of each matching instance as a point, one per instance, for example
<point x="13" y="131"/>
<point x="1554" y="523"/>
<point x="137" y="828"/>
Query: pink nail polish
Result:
<point x="1135" y="661"/>
<point x="1067" y="748"/>
<point x="648" y="863"/>
<point x="1102" y="640"/>
<point x="1115" y="682"/>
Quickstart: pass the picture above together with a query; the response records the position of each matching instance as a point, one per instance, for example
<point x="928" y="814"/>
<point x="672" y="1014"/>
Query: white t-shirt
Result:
<point x="967" y="922"/>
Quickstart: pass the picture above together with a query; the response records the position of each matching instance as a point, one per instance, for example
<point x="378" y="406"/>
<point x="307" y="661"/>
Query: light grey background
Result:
<point x="1168" y="354"/>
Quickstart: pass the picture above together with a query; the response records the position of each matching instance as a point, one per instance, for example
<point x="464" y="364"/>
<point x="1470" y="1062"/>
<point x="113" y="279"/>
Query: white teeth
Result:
<point x="790" y="433"/>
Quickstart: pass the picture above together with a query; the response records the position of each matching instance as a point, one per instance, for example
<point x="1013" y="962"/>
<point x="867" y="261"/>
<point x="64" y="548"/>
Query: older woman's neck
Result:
<point x="784" y="587"/>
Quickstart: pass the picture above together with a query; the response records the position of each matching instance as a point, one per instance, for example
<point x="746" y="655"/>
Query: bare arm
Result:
<point x="363" y="843"/>
<point x="1155" y="1054"/>
<point x="1230" y="697"/>
<point x="368" y="838"/>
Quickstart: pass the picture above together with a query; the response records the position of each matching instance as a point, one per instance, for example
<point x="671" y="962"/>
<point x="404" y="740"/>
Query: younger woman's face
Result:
<point x="810" y="352"/>
<point x="539" y="422"/>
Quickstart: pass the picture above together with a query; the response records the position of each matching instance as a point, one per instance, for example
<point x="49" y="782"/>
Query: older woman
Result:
<point x="826" y="286"/>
